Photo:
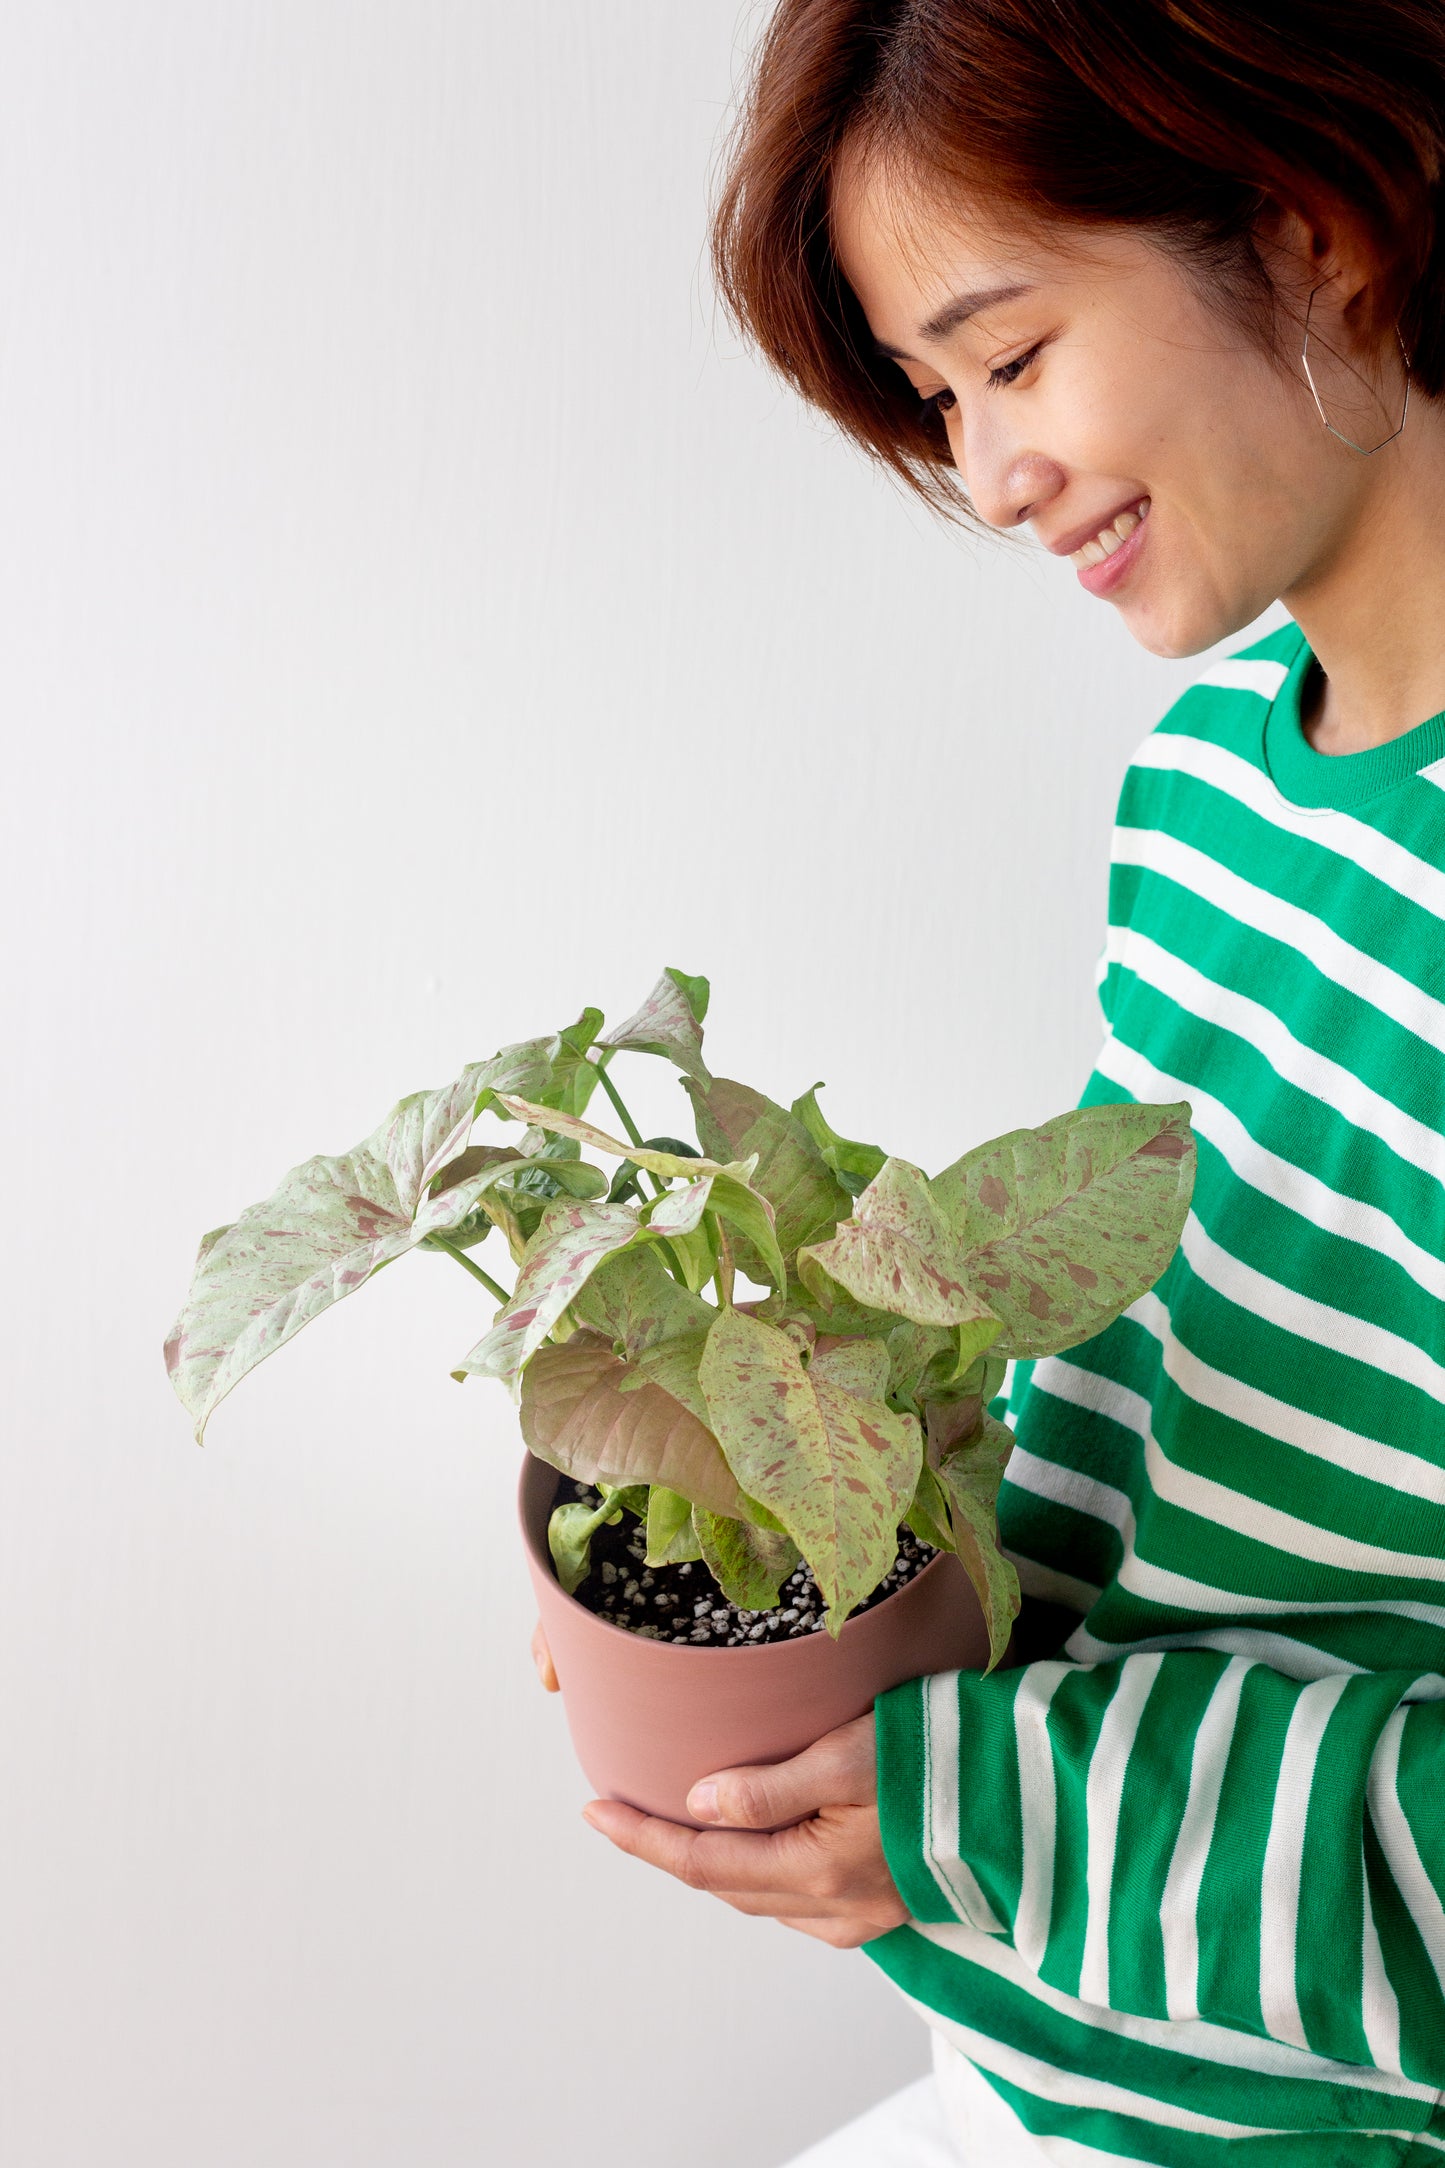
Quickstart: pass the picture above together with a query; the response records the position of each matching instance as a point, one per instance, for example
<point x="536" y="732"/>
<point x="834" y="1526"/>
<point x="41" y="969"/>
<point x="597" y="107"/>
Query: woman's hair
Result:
<point x="1183" y="119"/>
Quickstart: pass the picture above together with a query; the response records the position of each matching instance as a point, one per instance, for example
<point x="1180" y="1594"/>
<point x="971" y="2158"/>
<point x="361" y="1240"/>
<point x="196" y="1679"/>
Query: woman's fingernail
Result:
<point x="702" y="1801"/>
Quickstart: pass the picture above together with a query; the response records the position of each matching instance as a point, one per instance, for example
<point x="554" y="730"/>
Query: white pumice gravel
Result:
<point x="684" y="1603"/>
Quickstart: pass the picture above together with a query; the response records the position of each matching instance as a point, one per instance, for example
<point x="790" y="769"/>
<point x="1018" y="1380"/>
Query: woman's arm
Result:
<point x="1175" y="1836"/>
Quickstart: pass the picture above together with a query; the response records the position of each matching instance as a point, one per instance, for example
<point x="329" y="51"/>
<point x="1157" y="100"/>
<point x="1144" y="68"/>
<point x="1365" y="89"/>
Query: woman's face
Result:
<point x="1091" y="393"/>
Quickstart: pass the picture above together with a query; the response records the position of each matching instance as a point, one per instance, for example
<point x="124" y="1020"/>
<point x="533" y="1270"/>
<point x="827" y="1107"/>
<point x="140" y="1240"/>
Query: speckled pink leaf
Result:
<point x="571" y="1241"/>
<point x="666" y="1025"/>
<point x="735" y="1122"/>
<point x="328" y="1227"/>
<point x="576" y="1416"/>
<point x="836" y="1470"/>
<point x="749" y="1564"/>
<point x="970" y="1474"/>
<point x="1060" y="1228"/>
<point x="635" y="1303"/>
<point x="897" y="1253"/>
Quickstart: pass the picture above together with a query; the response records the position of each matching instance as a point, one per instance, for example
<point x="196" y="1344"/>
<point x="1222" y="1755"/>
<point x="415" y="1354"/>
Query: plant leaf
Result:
<point x="671" y="1537"/>
<point x="899" y="1252"/>
<point x="860" y="1367"/>
<point x="668" y="1164"/>
<point x="749" y="1564"/>
<point x="749" y="1213"/>
<point x="837" y="1471"/>
<point x="669" y="1024"/>
<point x="634" y="1302"/>
<point x="572" y="1526"/>
<point x="928" y="1514"/>
<point x="733" y="1122"/>
<point x="855" y="1165"/>
<point x="329" y="1225"/>
<point x="561" y="1257"/>
<point x="576" y="1417"/>
<point x="673" y="1364"/>
<point x="970" y="1476"/>
<point x="572" y="1078"/>
<point x="1060" y="1228"/>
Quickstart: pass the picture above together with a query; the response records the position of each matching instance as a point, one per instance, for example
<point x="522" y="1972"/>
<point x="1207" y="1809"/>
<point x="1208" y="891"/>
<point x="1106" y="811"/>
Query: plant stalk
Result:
<point x="475" y="1270"/>
<point x="634" y="1134"/>
<point x="724" y="1275"/>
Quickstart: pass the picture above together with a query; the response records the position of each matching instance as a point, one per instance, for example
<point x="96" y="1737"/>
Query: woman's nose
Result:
<point x="1008" y="487"/>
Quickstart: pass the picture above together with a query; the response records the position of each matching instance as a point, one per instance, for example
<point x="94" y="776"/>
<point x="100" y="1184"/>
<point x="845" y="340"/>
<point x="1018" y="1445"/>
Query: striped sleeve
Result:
<point x="1189" y="1835"/>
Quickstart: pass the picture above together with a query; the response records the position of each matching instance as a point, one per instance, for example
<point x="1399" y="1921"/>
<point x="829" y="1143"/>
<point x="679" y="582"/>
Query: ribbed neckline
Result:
<point x="1327" y="780"/>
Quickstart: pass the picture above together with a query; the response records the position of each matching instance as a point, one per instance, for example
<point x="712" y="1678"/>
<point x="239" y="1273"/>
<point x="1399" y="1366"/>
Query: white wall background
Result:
<point x="420" y="619"/>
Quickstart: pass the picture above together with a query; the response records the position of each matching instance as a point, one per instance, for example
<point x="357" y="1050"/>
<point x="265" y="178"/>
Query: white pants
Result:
<point x="954" y="2119"/>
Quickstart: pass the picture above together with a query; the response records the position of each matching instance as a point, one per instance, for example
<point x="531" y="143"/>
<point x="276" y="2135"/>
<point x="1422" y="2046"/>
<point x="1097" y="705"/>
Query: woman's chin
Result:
<point x="1179" y="626"/>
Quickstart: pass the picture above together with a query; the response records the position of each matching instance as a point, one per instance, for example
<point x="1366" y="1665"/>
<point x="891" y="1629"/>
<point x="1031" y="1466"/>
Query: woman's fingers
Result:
<point x="824" y="1866"/>
<point x="542" y="1658"/>
<point x="839" y="1770"/>
<point x="719" y="1861"/>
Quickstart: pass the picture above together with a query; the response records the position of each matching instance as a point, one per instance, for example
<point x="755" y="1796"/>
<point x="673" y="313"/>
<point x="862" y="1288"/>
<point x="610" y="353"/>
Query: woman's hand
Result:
<point x="826" y="1876"/>
<point x="542" y="1658"/>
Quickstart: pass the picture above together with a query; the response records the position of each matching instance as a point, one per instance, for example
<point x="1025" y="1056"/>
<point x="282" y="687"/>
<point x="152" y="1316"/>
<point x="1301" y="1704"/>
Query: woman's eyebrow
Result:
<point x="956" y="312"/>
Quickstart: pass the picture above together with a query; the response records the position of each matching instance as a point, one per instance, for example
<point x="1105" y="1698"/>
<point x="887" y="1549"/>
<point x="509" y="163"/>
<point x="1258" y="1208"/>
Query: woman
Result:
<point x="1162" y="281"/>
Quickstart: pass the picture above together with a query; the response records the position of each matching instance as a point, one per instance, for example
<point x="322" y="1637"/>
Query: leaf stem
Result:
<point x="475" y="1270"/>
<point x="724" y="1273"/>
<point x="634" y="1134"/>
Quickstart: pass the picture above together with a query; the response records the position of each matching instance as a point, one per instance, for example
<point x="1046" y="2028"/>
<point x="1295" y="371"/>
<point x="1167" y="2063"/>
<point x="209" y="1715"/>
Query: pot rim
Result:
<point x="534" y="1536"/>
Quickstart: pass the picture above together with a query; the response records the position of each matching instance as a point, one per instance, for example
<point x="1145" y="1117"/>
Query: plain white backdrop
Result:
<point x="421" y="618"/>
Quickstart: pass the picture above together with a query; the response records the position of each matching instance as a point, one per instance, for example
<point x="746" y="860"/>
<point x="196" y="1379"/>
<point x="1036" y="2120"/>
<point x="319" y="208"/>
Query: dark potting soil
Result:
<point x="684" y="1603"/>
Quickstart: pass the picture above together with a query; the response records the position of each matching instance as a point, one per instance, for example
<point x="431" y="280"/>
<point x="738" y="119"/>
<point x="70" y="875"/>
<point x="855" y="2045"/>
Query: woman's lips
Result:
<point x="1104" y="578"/>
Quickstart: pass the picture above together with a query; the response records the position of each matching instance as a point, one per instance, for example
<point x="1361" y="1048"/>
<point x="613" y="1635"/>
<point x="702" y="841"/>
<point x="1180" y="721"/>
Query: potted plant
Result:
<point x="753" y="1372"/>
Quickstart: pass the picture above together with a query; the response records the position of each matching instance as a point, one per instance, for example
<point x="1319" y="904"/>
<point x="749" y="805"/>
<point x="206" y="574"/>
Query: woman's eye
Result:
<point x="1011" y="370"/>
<point x="936" y="405"/>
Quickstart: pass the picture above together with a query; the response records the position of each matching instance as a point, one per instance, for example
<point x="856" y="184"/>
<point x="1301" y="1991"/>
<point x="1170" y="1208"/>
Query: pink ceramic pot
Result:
<point x="648" y="1718"/>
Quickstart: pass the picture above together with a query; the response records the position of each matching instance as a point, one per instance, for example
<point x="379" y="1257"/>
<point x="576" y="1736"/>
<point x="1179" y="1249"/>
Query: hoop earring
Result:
<point x="1366" y="451"/>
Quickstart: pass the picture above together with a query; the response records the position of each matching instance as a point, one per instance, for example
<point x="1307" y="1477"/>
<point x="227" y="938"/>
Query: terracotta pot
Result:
<point x="648" y="1718"/>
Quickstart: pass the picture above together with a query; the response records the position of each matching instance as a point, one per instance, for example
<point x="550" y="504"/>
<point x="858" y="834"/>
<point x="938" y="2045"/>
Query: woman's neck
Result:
<point x="1373" y="612"/>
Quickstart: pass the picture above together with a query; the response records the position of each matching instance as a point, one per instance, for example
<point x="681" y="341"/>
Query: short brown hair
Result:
<point x="1182" y="118"/>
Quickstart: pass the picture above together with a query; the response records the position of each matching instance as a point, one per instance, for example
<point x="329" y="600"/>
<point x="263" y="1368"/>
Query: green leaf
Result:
<point x="694" y="1255"/>
<point x="572" y="1078"/>
<point x="749" y="1213"/>
<point x="1060" y="1228"/>
<point x="733" y="1123"/>
<point x="899" y="1252"/>
<point x="836" y="1470"/>
<point x="526" y="1067"/>
<point x="557" y="1263"/>
<point x="671" y="1537"/>
<point x="635" y="1303"/>
<point x="928" y="1514"/>
<point x="576" y="1416"/>
<point x="970" y="1476"/>
<point x="572" y="1527"/>
<point x="855" y="1165"/>
<point x="669" y="1024"/>
<point x="330" y="1224"/>
<point x="749" y="1564"/>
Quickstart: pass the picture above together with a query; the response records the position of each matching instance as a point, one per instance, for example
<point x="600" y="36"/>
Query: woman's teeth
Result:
<point x="1110" y="538"/>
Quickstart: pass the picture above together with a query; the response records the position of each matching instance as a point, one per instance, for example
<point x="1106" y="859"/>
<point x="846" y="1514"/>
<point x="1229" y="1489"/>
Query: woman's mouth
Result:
<point x="1107" y="557"/>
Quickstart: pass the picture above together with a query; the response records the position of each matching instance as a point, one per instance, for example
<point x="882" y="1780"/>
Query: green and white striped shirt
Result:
<point x="1181" y="1894"/>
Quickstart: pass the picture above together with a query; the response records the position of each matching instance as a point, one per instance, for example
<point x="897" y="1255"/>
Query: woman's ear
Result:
<point x="1329" y="253"/>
